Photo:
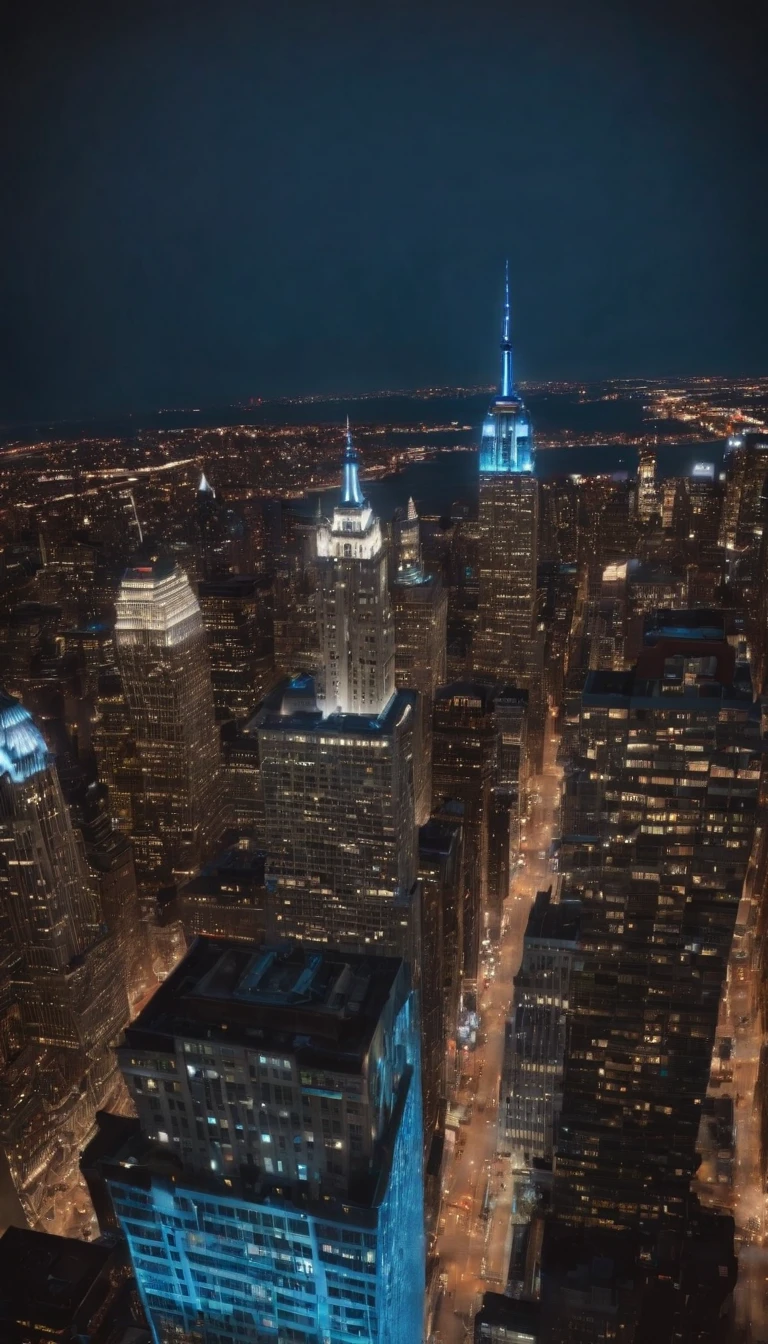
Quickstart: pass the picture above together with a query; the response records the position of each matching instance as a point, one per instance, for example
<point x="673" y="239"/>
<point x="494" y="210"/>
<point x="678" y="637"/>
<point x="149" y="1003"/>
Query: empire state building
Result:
<point x="504" y="646"/>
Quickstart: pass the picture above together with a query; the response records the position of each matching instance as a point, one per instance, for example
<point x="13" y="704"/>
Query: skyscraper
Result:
<point x="646" y="501"/>
<point x="478" y="759"/>
<point x="505" y="645"/>
<point x="339" y="822"/>
<point x="420" y="610"/>
<point x="272" y="1187"/>
<point x="176" y="788"/>
<point x="65" y="964"/>
<point x="337" y="756"/>
<point x="62" y="979"/>
<point x="240" y="646"/>
<point x="659" y="815"/>
<point x="534" y="1053"/>
<point x="357" y="642"/>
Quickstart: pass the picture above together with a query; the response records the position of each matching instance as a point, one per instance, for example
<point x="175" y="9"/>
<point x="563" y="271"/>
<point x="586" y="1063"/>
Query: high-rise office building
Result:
<point x="65" y="963"/>
<point x="464" y="753"/>
<point x="240" y="644"/>
<point x="511" y="720"/>
<point x="174" y="757"/>
<point x="357" y="642"/>
<point x="406" y="535"/>
<point x="272" y="1187"/>
<point x="607" y="525"/>
<point x="479" y="736"/>
<point x="339" y="822"/>
<point x="534" y="1050"/>
<point x="659" y="815"/>
<point x="646" y="500"/>
<point x="441" y="874"/>
<point x="505" y="642"/>
<point x="746" y="472"/>
<point x="63" y="994"/>
<point x="420" y="610"/>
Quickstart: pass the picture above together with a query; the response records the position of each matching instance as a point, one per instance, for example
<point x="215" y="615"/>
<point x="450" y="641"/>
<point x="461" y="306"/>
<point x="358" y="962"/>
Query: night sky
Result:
<point x="210" y="201"/>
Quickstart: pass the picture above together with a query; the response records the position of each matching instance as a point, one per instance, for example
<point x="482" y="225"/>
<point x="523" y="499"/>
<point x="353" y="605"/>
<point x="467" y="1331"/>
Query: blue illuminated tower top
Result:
<point x="23" y="752"/>
<point x="507" y="442"/>
<point x="351" y="493"/>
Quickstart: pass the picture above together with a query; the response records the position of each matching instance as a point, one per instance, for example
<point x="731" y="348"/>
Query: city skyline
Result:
<point x="384" y="778"/>
<point x="505" y="762"/>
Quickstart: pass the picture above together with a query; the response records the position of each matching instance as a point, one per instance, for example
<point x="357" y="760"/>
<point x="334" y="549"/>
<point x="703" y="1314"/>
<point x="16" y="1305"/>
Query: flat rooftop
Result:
<point x="685" y="662"/>
<point x="46" y="1278"/>
<point x="556" y="922"/>
<point x="698" y="623"/>
<point x="279" y="715"/>
<point x="321" y="1006"/>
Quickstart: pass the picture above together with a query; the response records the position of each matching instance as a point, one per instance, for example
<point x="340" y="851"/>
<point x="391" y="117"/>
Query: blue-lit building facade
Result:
<point x="507" y="440"/>
<point x="62" y="962"/>
<point x="504" y="646"/>
<point x="272" y="1186"/>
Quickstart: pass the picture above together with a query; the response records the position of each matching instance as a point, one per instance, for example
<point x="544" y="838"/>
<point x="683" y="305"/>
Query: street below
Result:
<point x="474" y="1238"/>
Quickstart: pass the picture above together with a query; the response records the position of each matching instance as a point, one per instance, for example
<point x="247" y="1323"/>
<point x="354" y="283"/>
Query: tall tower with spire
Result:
<point x="505" y="645"/>
<point x="357" y="641"/>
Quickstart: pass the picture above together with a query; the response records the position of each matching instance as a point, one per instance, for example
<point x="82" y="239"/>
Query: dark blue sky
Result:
<point x="215" y="200"/>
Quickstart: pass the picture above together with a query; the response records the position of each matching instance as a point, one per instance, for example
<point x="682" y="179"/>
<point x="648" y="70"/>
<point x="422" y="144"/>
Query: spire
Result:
<point x="351" y="494"/>
<point x="205" y="487"/>
<point x="412" y="514"/>
<point x="506" y="342"/>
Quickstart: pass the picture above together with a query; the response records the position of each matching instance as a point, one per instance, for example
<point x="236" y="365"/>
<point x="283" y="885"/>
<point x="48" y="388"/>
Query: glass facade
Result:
<point x="215" y="1269"/>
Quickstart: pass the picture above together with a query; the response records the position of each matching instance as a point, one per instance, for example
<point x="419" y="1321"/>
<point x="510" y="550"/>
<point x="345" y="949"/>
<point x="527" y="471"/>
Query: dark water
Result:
<point x="436" y="485"/>
<point x="454" y="421"/>
<point x="550" y="411"/>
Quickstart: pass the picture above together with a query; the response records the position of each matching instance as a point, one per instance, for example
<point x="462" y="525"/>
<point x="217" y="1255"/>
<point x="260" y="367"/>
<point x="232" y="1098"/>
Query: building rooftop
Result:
<point x="233" y="586"/>
<point x="46" y="1279"/>
<point x="286" y="709"/>
<point x="687" y="662"/>
<point x="697" y="624"/>
<point x="150" y="567"/>
<point x="321" y="1006"/>
<point x="551" y="922"/>
<point x="481" y="693"/>
<point x="500" y="1315"/>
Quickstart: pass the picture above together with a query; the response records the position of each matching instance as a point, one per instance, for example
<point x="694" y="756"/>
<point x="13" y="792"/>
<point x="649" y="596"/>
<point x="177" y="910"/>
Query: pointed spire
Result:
<point x="506" y="342"/>
<point x="351" y="494"/>
<point x="205" y="487"/>
<point x="412" y="514"/>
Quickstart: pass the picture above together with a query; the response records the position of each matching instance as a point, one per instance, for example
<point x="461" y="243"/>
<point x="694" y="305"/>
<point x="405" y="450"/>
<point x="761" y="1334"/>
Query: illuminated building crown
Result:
<point x="507" y="444"/>
<point x="354" y="530"/>
<point x="23" y="752"/>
